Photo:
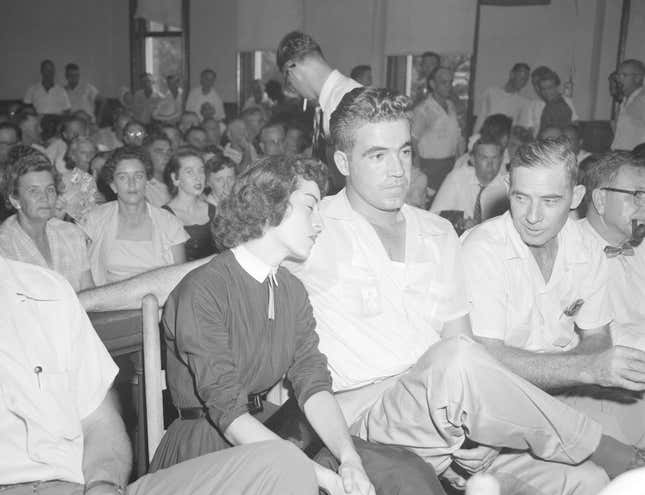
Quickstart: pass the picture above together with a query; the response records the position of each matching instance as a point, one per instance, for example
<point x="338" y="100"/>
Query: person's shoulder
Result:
<point x="489" y="235"/>
<point x="65" y="228"/>
<point x="99" y="212"/>
<point x="430" y="222"/>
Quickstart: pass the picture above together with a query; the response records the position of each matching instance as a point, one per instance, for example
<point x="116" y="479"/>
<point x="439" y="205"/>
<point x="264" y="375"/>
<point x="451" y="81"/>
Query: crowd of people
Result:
<point x="424" y="304"/>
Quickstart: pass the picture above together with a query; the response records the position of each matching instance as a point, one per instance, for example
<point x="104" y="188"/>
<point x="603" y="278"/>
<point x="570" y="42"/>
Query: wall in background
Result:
<point x="92" y="33"/>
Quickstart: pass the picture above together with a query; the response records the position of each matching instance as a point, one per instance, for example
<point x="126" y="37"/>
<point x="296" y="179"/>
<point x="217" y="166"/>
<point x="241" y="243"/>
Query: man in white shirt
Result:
<point x="82" y="95"/>
<point x="630" y="125"/>
<point x="171" y="105"/>
<point x="539" y="291"/>
<point x="478" y="189"/>
<point x="205" y="93"/>
<point x="60" y="428"/>
<point x="506" y="100"/>
<point x="145" y="100"/>
<point x="46" y="96"/>
<point x="386" y="286"/>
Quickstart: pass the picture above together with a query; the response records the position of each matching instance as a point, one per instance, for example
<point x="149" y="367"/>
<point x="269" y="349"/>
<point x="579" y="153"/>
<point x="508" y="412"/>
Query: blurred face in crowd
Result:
<point x="630" y="78"/>
<point x="73" y="76"/>
<point x="618" y="209"/>
<point x="160" y="155"/>
<point x="272" y="140"/>
<point x="8" y="138"/>
<point x="188" y="120"/>
<point x="74" y="128"/>
<point x="378" y="166"/>
<point x="48" y="73"/>
<point x="207" y="110"/>
<point x="428" y="64"/>
<point x="540" y="200"/>
<point x="174" y="135"/>
<point x="221" y="182"/>
<point x="254" y="122"/>
<point x="134" y="134"/>
<point x="197" y="138"/>
<point x="191" y="178"/>
<point x="97" y="164"/>
<point x="238" y="134"/>
<point x="365" y="77"/>
<point x="119" y="125"/>
<point x="213" y="131"/>
<point x="549" y="90"/>
<point x="146" y="82"/>
<point x="173" y="83"/>
<point x="442" y="83"/>
<point x="487" y="160"/>
<point x="82" y="154"/>
<point x="292" y="141"/>
<point x="519" y="78"/>
<point x="207" y="80"/>
<point x="36" y="196"/>
<point x="258" y="90"/>
<point x="129" y="182"/>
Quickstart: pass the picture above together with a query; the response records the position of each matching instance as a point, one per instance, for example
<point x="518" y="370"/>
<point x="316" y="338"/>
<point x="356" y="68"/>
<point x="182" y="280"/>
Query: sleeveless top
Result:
<point x="201" y="242"/>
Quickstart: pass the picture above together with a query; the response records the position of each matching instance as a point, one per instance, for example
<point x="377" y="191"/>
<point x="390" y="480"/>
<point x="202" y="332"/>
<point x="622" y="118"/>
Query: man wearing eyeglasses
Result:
<point x="630" y="125"/>
<point x="539" y="292"/>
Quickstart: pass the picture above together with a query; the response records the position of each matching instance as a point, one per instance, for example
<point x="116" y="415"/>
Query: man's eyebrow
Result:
<point x="373" y="149"/>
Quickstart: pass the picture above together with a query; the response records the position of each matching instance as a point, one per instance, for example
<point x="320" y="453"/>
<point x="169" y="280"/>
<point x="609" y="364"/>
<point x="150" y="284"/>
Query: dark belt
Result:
<point x="254" y="406"/>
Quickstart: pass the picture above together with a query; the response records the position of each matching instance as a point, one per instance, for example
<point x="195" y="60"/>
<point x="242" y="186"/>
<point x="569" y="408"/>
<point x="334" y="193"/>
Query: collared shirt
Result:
<point x="54" y="372"/>
<point x="253" y="265"/>
<point x="510" y="299"/>
<point x="626" y="290"/>
<point x="82" y="97"/>
<point x="497" y="100"/>
<point x="332" y="91"/>
<point x="460" y="189"/>
<point x="170" y="107"/>
<point x="376" y="317"/>
<point x="436" y="130"/>
<point x="67" y="245"/>
<point x="630" y="125"/>
<point x="54" y="100"/>
<point x="531" y="114"/>
<point x="196" y="98"/>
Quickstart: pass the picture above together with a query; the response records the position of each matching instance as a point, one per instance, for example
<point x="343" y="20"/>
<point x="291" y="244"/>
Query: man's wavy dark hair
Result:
<point x="260" y="197"/>
<point x="295" y="46"/>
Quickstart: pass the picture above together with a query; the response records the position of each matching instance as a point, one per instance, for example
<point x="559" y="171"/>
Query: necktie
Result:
<point x="318" y="140"/>
<point x="477" y="210"/>
<point x="626" y="250"/>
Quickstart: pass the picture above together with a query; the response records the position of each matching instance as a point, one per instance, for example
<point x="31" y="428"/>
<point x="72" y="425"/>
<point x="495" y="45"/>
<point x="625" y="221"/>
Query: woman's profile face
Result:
<point x="36" y="196"/>
<point x="191" y="178"/>
<point x="221" y="182"/>
<point x="129" y="182"/>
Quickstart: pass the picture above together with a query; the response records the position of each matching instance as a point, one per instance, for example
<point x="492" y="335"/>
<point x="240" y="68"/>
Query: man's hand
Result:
<point x="102" y="489"/>
<point x="355" y="478"/>
<point x="618" y="366"/>
<point x="477" y="459"/>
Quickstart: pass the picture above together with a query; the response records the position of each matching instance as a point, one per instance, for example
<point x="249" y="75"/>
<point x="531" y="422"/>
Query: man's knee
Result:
<point x="292" y="470"/>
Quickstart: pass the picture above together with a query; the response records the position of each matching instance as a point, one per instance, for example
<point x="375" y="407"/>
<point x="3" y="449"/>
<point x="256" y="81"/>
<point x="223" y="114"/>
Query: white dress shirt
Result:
<point x="196" y="98"/>
<point x="332" y="91"/>
<point x="54" y="100"/>
<point x="630" y="125"/>
<point x="531" y="114"/>
<point x="436" y="130"/>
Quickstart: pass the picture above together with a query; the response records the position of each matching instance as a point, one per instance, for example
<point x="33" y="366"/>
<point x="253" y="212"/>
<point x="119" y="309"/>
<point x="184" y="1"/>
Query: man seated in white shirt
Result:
<point x="539" y="290"/>
<point x="205" y="93"/>
<point x="46" y="96"/>
<point x="82" y="95"/>
<point x="507" y="99"/>
<point x="478" y="189"/>
<point x="387" y="289"/>
<point x="60" y="428"/>
<point x="630" y="124"/>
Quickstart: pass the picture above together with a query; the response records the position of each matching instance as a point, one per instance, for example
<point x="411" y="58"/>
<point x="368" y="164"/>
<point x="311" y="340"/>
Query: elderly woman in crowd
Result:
<point x="186" y="179"/>
<point x="77" y="187"/>
<point x="33" y="235"/>
<point x="220" y="178"/>
<point x="129" y="236"/>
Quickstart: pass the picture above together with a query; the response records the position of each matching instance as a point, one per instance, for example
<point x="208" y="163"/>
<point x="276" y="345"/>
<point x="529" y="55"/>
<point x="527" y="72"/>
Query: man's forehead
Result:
<point x="629" y="175"/>
<point x="539" y="178"/>
<point x="387" y="133"/>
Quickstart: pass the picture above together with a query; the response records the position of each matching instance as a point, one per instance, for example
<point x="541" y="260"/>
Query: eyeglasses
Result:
<point x="135" y="133"/>
<point x="639" y="195"/>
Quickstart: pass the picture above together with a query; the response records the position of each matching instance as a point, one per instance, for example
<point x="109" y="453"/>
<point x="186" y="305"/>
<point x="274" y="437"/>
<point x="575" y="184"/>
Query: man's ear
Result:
<point x="14" y="202"/>
<point x="578" y="195"/>
<point x="598" y="200"/>
<point x="341" y="161"/>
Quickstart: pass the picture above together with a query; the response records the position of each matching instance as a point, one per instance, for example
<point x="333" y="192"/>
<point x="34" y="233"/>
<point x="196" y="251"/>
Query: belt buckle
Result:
<point x="255" y="404"/>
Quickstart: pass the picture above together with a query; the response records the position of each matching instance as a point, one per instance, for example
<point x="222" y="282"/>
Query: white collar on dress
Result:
<point x="253" y="265"/>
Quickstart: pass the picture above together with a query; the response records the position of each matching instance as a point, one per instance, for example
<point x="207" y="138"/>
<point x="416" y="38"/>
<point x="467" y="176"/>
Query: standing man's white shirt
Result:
<point x="83" y="97"/>
<point x="512" y="303"/>
<point x="626" y="290"/>
<point x="531" y="114"/>
<point x="497" y="100"/>
<point x="196" y="98"/>
<point x="332" y="91"/>
<point x="52" y="101"/>
<point x="459" y="191"/>
<point x="44" y="328"/>
<point x="435" y="129"/>
<point x="630" y="125"/>
<point x="170" y="107"/>
<point x="376" y="317"/>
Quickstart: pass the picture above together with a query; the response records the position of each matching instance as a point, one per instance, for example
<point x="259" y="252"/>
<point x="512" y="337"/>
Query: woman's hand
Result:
<point x="352" y="480"/>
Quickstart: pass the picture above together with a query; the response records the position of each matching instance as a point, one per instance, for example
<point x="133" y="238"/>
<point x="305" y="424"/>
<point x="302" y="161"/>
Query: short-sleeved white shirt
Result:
<point x="54" y="100"/>
<point x="510" y="300"/>
<point x="630" y="125"/>
<point x="531" y="114"/>
<point x="376" y="317"/>
<point x="196" y="98"/>
<point x="83" y="97"/>
<point x="332" y="91"/>
<point x="498" y="100"/>
<point x="45" y="328"/>
<point x="626" y="290"/>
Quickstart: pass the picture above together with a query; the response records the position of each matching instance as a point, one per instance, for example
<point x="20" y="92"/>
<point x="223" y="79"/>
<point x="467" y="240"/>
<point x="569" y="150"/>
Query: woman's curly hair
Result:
<point x="260" y="197"/>
<point x="126" y="153"/>
<point x="21" y="160"/>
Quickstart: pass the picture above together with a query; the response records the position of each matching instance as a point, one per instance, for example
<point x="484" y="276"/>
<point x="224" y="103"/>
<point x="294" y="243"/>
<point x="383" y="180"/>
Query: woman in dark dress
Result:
<point x="186" y="178"/>
<point x="240" y="324"/>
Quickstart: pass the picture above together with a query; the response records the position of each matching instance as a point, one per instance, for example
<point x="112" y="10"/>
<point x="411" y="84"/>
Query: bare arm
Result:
<point x="107" y="454"/>
<point x="179" y="253"/>
<point x="127" y="294"/>
<point x="593" y="362"/>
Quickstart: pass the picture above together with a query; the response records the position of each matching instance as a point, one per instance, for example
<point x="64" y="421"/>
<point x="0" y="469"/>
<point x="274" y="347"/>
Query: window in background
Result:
<point x="254" y="65"/>
<point x="164" y="52"/>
